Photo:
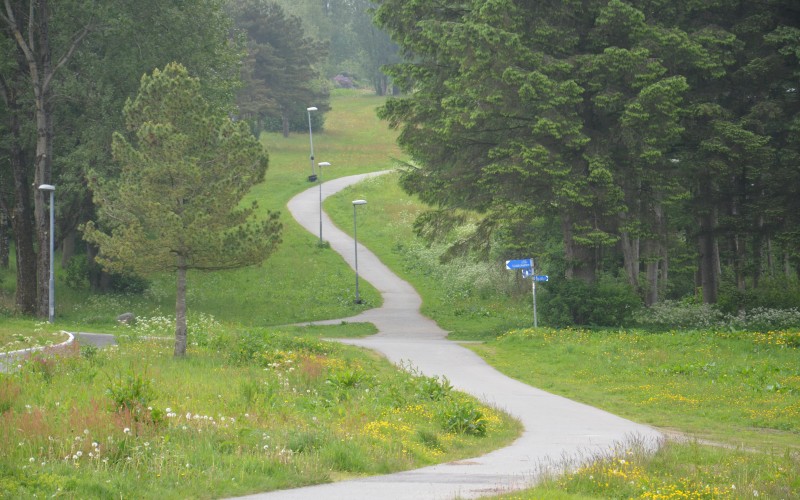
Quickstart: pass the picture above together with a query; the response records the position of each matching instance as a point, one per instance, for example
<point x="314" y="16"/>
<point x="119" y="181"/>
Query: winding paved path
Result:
<point x="557" y="430"/>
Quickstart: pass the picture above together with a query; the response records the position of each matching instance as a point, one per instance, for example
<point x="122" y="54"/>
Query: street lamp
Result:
<point x="312" y="177"/>
<point x="355" y="239"/>
<point x="319" y="179"/>
<point x="52" y="288"/>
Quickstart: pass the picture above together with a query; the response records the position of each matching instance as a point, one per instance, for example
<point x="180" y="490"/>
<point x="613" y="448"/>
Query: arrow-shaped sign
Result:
<point x="519" y="264"/>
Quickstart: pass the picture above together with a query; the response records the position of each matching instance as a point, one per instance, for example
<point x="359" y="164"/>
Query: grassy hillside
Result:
<point x="301" y="281"/>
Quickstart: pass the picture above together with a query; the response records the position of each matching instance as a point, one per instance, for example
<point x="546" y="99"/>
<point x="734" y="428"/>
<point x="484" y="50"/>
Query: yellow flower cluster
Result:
<point x="678" y="492"/>
<point x="673" y="398"/>
<point x="783" y="338"/>
<point x="382" y="429"/>
<point x="413" y="410"/>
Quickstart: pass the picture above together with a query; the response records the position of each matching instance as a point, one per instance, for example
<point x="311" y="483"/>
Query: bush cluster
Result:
<point x="684" y="314"/>
<point x="607" y="302"/>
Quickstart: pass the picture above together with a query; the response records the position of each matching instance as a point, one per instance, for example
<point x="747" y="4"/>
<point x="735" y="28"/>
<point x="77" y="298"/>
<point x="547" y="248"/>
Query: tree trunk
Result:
<point x="35" y="53"/>
<point x="580" y="260"/>
<point x="21" y="222"/>
<point x="630" y="258"/>
<point x="22" y="219"/>
<point x="67" y="248"/>
<point x="758" y="252"/>
<point x="653" y="252"/>
<point x="99" y="280"/>
<point x="180" y="310"/>
<point x="41" y="74"/>
<point x="285" y="123"/>
<point x="709" y="279"/>
<point x="5" y="240"/>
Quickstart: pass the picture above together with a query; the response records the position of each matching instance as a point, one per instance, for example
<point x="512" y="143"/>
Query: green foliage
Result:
<point x="614" y="122"/>
<point x="89" y="352"/>
<point x="686" y="314"/>
<point x="177" y="203"/>
<point x="131" y="392"/>
<point x="772" y="293"/>
<point x="608" y="302"/>
<point x="280" y="71"/>
<point x="462" y="417"/>
<point x="184" y="172"/>
<point x="77" y="273"/>
<point x="433" y="388"/>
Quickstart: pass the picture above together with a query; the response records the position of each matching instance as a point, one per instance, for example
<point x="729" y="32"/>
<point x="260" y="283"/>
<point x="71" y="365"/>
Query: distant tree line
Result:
<point x="653" y="140"/>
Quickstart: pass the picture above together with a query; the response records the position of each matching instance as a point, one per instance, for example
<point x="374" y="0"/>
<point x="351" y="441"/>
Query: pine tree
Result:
<point x="176" y="203"/>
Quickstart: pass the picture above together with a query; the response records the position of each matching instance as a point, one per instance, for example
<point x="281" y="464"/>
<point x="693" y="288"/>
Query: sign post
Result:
<point x="526" y="265"/>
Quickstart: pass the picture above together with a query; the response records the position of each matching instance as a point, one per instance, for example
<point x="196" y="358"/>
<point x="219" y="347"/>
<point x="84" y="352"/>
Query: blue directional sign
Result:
<point x="519" y="264"/>
<point x="541" y="278"/>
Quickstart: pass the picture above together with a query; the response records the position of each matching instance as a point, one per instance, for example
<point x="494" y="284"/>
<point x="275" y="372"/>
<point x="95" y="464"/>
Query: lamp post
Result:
<point x="52" y="285"/>
<point x="313" y="176"/>
<point x="355" y="239"/>
<point x="319" y="180"/>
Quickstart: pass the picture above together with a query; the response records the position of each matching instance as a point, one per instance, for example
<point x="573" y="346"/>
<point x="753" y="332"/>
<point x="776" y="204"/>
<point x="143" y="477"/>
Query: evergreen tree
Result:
<point x="280" y="73"/>
<point x="175" y="205"/>
<point x="635" y="126"/>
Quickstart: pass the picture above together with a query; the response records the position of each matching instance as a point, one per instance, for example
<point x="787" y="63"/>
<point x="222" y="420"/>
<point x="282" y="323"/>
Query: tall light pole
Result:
<point x="313" y="176"/>
<point x="355" y="239"/>
<point x="319" y="180"/>
<point x="52" y="285"/>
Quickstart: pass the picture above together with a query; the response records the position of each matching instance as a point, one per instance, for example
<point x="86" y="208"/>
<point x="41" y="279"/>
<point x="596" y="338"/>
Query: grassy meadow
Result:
<point x="297" y="410"/>
<point x="730" y="401"/>
<point x="247" y="410"/>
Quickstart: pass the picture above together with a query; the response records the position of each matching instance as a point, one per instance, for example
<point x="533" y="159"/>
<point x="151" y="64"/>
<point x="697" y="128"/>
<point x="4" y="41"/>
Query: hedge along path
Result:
<point x="558" y="432"/>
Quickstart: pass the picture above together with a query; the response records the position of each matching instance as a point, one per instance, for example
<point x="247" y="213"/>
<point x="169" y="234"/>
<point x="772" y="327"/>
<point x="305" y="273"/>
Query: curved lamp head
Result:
<point x="47" y="187"/>
<point x="311" y="108"/>
<point x="359" y="202"/>
<point x="324" y="164"/>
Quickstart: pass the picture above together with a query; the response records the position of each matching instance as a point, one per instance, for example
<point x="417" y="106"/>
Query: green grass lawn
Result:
<point x="16" y="334"/>
<point x="247" y="410"/>
<point x="740" y="391"/>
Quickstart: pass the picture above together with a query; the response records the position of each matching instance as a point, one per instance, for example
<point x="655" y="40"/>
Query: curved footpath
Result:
<point x="557" y="431"/>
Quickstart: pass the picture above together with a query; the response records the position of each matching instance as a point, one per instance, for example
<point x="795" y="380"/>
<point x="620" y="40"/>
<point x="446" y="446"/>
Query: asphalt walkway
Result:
<point x="557" y="431"/>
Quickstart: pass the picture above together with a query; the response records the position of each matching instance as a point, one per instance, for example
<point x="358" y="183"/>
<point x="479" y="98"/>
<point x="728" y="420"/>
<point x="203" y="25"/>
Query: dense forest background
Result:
<point x="645" y="149"/>
<point x="650" y="144"/>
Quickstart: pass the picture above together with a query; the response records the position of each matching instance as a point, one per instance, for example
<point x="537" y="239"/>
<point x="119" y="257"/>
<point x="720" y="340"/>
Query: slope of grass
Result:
<point x="301" y="281"/>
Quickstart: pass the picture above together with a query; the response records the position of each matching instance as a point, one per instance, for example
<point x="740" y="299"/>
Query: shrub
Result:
<point x="675" y="314"/>
<point x="462" y="417"/>
<point x="129" y="283"/>
<point x="772" y="293"/>
<point x="132" y="394"/>
<point x="607" y="302"/>
<point x="77" y="273"/>
<point x="672" y="314"/>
